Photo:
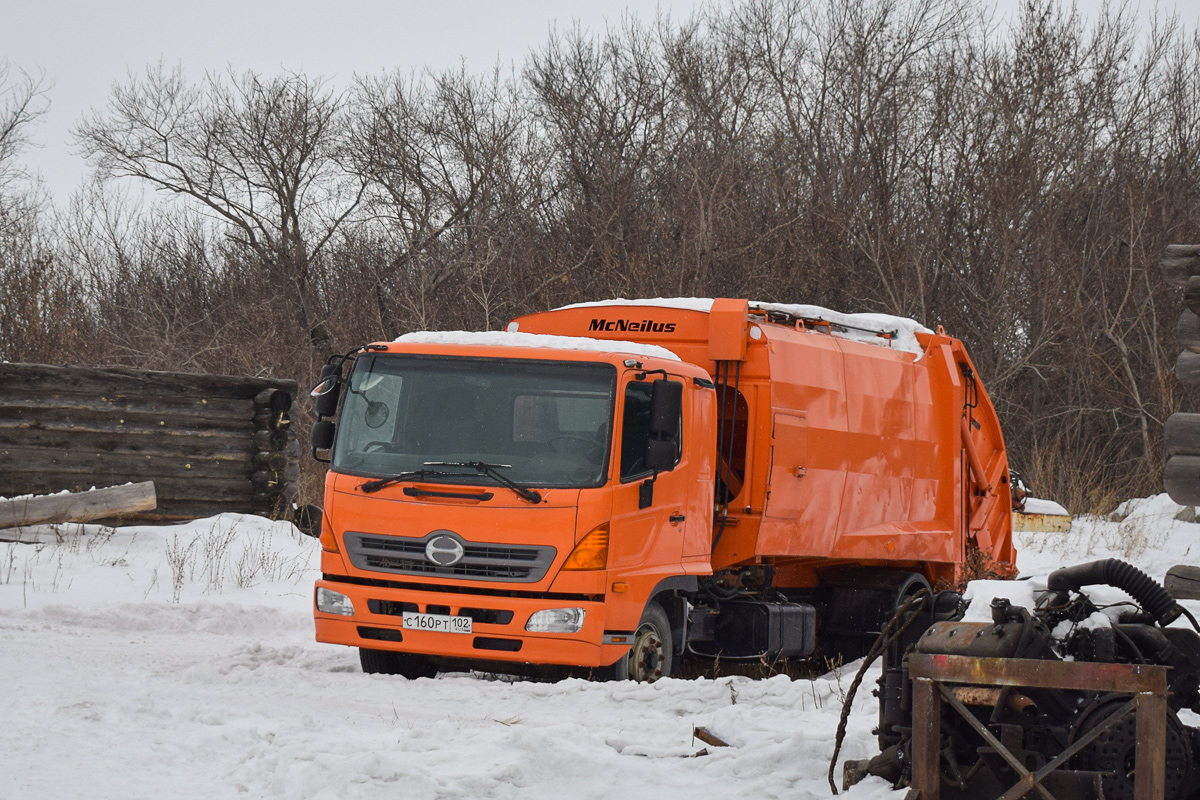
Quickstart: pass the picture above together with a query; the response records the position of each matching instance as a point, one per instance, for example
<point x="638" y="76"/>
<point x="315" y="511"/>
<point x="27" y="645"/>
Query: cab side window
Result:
<point x="635" y="429"/>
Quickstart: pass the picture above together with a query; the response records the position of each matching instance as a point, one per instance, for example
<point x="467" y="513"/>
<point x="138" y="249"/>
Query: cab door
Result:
<point x="650" y="540"/>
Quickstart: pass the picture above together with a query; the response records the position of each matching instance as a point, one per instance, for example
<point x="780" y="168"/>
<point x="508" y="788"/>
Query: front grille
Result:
<point x="480" y="561"/>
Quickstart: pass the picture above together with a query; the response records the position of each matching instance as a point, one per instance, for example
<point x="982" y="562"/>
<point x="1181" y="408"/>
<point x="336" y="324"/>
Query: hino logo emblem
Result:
<point x="443" y="550"/>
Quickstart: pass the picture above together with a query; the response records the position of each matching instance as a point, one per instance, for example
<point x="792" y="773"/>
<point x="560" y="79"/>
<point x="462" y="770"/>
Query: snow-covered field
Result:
<point x="178" y="662"/>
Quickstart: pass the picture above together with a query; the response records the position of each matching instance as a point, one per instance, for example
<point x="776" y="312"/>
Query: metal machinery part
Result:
<point x="1036" y="725"/>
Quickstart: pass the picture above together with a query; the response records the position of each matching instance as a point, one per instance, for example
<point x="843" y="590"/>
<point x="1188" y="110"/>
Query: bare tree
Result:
<point x="43" y="317"/>
<point x="436" y="153"/>
<point x="22" y="101"/>
<point x="258" y="154"/>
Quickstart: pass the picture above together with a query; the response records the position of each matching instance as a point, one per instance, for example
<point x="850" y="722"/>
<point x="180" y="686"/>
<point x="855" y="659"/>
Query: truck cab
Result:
<point x="515" y="498"/>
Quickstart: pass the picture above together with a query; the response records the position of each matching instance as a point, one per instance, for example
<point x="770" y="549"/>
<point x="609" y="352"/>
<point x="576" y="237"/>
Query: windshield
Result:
<point x="550" y="422"/>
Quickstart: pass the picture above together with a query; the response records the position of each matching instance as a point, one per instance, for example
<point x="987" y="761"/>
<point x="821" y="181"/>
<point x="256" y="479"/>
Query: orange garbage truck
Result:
<point x="612" y="485"/>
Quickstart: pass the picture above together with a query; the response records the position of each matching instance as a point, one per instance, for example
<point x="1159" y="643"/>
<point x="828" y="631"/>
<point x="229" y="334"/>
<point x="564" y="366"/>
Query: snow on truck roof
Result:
<point x="856" y="327"/>
<point x="506" y="339"/>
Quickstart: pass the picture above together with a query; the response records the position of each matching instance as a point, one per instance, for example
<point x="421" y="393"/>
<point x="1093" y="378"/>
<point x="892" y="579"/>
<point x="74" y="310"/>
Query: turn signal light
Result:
<point x="328" y="542"/>
<point x="591" y="552"/>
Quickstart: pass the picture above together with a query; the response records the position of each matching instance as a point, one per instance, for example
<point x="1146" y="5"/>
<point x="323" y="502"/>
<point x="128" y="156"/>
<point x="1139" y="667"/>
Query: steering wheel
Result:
<point x="573" y="443"/>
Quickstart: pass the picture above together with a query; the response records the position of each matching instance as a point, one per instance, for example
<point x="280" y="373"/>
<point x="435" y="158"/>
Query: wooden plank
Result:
<point x="1187" y="368"/>
<point x="1181" y="435"/>
<point x="1150" y="765"/>
<point x="1181" y="479"/>
<point x="149" y="383"/>
<point x="1180" y="262"/>
<point x="1187" y="331"/>
<point x="99" y="504"/>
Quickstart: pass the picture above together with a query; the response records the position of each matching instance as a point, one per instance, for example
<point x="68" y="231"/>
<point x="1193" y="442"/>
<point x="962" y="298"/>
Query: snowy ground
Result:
<point x="178" y="662"/>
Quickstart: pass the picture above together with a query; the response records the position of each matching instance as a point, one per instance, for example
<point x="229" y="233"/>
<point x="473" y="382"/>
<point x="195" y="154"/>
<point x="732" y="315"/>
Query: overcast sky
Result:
<point x="84" y="46"/>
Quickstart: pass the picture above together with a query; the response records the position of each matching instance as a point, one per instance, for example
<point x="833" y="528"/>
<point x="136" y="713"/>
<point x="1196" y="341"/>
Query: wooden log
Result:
<point x="1180" y="262"/>
<point x="274" y="400"/>
<point x="56" y="419"/>
<point x="1182" y="479"/>
<point x="100" y="504"/>
<point x="121" y="405"/>
<point x="195" y="509"/>
<point x="270" y="440"/>
<point x="1191" y="294"/>
<point x="271" y="504"/>
<point x="120" y="467"/>
<point x="1181" y="435"/>
<point x="1187" y="368"/>
<point x="266" y="481"/>
<point x="161" y="443"/>
<point x="1187" y="331"/>
<point x="148" y="383"/>
<point x="271" y="420"/>
<point x="274" y="460"/>
<point x="100" y="422"/>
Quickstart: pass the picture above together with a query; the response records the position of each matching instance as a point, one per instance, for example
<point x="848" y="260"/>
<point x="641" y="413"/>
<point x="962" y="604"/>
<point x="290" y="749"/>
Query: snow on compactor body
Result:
<point x="711" y="475"/>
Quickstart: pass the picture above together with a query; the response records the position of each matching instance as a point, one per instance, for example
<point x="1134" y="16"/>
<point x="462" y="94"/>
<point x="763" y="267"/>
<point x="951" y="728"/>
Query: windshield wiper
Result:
<point x="400" y="477"/>
<point x="492" y="471"/>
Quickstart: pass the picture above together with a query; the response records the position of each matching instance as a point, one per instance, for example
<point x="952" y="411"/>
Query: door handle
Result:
<point x="677" y="518"/>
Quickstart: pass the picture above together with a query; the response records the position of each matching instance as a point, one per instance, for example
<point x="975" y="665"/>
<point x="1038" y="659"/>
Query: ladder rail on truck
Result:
<point x="814" y="470"/>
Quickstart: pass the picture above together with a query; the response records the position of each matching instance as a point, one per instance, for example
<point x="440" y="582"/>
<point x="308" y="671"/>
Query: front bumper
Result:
<point x="498" y="632"/>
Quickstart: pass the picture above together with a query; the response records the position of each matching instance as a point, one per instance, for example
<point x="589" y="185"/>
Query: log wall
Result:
<point x="210" y="443"/>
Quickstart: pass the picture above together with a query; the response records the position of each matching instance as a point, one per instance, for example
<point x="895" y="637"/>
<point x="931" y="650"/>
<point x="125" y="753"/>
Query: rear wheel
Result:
<point x="389" y="662"/>
<point x="652" y="656"/>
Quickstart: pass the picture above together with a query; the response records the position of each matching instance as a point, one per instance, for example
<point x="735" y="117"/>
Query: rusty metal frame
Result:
<point x="1146" y="683"/>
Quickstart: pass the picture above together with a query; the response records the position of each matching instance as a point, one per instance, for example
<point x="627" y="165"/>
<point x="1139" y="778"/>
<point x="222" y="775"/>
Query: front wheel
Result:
<point x="389" y="662"/>
<point x="652" y="655"/>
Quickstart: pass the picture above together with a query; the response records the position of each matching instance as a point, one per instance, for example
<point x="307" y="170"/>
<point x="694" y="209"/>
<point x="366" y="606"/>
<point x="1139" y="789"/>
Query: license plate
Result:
<point x="436" y="622"/>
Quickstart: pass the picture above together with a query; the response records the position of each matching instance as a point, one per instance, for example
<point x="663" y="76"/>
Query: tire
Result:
<point x="389" y="662"/>
<point x="652" y="655"/>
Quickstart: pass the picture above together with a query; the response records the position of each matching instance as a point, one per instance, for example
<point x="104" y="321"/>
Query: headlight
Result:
<point x="331" y="602"/>
<point x="556" y="620"/>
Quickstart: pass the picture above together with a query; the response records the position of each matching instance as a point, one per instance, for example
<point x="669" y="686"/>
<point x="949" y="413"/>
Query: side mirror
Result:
<point x="321" y="436"/>
<point x="660" y="454"/>
<point x="328" y="390"/>
<point x="666" y="408"/>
